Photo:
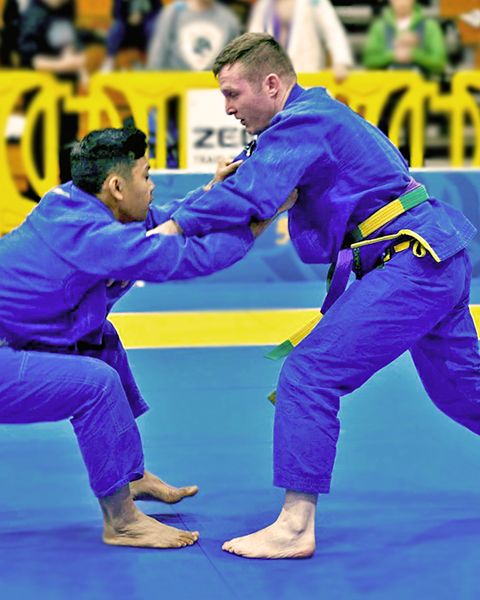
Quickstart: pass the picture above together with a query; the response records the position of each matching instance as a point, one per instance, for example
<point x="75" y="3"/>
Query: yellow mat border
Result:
<point x="195" y="329"/>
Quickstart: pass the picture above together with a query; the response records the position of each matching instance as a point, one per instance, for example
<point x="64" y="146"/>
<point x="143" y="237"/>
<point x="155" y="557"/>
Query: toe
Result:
<point x="227" y="546"/>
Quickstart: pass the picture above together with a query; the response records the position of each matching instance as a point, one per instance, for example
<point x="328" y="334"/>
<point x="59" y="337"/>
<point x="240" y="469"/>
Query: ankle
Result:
<point x="119" y="509"/>
<point x="298" y="512"/>
<point x="296" y="523"/>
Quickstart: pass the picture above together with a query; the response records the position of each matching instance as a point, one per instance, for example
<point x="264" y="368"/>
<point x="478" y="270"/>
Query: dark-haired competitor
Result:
<point x="59" y="356"/>
<point x="354" y="189"/>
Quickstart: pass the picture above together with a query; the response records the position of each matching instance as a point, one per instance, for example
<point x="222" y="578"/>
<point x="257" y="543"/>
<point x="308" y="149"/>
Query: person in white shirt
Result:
<point x="309" y="30"/>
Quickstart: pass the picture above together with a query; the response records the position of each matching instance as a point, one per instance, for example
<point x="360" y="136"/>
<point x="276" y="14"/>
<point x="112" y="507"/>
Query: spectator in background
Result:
<point x="49" y="42"/>
<point x="403" y="38"/>
<point x="12" y="13"/>
<point x="132" y="27"/>
<point x="304" y="28"/>
<point x="189" y="35"/>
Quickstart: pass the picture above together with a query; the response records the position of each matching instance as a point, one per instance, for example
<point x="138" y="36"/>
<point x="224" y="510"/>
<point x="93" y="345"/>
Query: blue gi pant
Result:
<point x="94" y="388"/>
<point x="410" y="304"/>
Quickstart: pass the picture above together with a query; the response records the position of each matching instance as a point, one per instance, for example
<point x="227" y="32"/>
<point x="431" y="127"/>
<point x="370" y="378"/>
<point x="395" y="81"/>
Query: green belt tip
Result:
<point x="272" y="397"/>
<point x="280" y="351"/>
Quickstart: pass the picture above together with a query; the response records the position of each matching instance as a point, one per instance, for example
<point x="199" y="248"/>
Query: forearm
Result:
<point x="378" y="59"/>
<point x="376" y="54"/>
<point x="262" y="183"/>
<point x="187" y="258"/>
<point x="123" y="252"/>
<point x="432" y="57"/>
<point x="160" y="213"/>
<point x="428" y="62"/>
<point x="232" y="204"/>
<point x="51" y="64"/>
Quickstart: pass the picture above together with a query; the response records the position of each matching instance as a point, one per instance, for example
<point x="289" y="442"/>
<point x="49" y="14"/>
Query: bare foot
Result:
<point x="150" y="487"/>
<point x="145" y="532"/>
<point x="291" y="536"/>
<point x="275" y="541"/>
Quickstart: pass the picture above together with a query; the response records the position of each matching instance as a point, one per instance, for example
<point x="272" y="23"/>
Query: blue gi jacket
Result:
<point x="54" y="267"/>
<point x="344" y="168"/>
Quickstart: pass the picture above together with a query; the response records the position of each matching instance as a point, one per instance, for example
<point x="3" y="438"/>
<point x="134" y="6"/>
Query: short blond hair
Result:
<point x="259" y="54"/>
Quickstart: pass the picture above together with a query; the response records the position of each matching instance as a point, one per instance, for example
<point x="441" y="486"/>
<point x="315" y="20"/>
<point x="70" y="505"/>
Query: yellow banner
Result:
<point x="26" y="97"/>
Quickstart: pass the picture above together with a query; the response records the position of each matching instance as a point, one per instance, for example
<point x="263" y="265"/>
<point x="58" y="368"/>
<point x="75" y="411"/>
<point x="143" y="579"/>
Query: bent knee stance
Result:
<point x="108" y="435"/>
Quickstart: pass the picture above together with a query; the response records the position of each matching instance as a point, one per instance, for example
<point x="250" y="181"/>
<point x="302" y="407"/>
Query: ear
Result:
<point x="272" y="84"/>
<point x="114" y="185"/>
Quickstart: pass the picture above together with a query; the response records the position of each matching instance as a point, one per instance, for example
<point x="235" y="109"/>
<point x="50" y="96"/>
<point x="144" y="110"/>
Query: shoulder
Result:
<point x="172" y="11"/>
<point x="173" y="8"/>
<point x="177" y="7"/>
<point x="313" y="100"/>
<point x="314" y="108"/>
<point x="432" y="25"/>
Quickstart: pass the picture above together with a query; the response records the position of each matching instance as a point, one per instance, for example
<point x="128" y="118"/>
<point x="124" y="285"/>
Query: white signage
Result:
<point x="211" y="133"/>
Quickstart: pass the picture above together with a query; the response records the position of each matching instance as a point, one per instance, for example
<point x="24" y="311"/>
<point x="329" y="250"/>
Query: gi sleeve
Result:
<point x="261" y="184"/>
<point x="124" y="252"/>
<point x="158" y="214"/>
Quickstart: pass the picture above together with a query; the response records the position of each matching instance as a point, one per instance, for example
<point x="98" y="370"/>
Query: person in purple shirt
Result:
<point x="61" y="271"/>
<point x="358" y="207"/>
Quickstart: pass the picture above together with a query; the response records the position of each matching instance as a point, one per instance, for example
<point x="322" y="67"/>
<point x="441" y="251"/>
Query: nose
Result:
<point x="229" y="108"/>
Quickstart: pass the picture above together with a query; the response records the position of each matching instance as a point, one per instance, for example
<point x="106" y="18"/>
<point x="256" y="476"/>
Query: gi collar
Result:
<point x="294" y="94"/>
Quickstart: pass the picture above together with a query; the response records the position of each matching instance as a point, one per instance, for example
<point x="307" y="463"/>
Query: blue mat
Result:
<point x="402" y="520"/>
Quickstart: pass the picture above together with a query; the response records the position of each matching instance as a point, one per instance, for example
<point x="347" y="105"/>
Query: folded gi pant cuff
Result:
<point x="133" y="476"/>
<point x="301" y="484"/>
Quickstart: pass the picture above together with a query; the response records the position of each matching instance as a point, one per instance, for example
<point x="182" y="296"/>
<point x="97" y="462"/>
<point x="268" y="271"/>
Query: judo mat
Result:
<point x="402" y="520"/>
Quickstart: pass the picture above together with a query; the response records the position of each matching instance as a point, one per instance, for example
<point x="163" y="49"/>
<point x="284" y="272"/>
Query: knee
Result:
<point x="105" y="400"/>
<point x="303" y="396"/>
<point x="308" y="372"/>
<point x="100" y="381"/>
<point x="108" y="376"/>
<point x="301" y="371"/>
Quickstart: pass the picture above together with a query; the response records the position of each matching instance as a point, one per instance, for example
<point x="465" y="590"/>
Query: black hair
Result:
<point x="104" y="151"/>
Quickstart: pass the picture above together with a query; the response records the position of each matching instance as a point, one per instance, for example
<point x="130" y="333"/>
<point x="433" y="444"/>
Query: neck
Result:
<point x="283" y="96"/>
<point x="110" y="203"/>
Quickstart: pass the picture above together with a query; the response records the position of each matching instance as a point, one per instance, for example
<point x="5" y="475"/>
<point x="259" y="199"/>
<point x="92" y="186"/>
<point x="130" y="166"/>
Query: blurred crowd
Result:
<point x="187" y="35"/>
<point x="338" y="35"/>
